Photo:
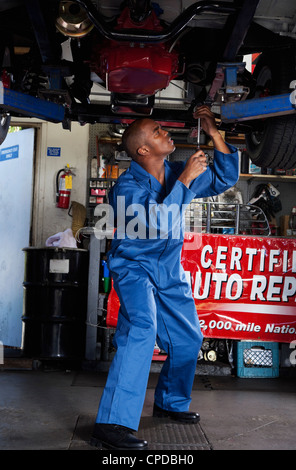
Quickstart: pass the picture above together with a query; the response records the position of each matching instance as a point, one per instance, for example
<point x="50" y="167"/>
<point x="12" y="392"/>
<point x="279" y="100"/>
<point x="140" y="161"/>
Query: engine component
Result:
<point x="73" y="20"/>
<point x="128" y="68"/>
<point x="137" y="68"/>
<point x="195" y="72"/>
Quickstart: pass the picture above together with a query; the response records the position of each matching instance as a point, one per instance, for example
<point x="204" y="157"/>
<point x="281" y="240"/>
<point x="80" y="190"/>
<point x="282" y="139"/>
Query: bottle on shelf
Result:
<point x="102" y="168"/>
<point x="94" y="168"/>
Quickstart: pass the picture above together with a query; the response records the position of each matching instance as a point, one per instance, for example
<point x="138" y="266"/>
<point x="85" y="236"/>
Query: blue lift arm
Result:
<point x="30" y="106"/>
<point x="277" y="105"/>
<point x="256" y="108"/>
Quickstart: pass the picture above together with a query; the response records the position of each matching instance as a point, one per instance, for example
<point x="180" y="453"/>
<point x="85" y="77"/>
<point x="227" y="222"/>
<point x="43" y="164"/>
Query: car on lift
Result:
<point x="61" y="52"/>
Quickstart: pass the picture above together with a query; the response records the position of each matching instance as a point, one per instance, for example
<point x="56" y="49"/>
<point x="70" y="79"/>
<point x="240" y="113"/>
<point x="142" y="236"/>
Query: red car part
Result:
<point x="138" y="68"/>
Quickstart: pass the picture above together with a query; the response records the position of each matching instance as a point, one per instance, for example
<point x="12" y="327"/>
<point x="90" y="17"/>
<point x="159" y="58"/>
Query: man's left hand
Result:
<point x="207" y="120"/>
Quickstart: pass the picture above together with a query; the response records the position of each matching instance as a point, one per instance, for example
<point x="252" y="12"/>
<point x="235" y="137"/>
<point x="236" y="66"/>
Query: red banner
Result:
<point x="244" y="287"/>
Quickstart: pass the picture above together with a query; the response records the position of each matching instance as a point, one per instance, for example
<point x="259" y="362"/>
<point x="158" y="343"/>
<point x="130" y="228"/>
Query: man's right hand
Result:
<point x="195" y="166"/>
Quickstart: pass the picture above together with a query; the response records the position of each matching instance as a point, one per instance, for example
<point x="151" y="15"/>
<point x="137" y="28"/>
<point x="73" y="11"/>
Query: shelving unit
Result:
<point x="98" y="187"/>
<point x="102" y="185"/>
<point x="97" y="338"/>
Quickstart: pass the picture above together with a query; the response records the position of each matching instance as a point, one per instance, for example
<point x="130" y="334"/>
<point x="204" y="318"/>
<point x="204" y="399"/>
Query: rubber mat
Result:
<point x="166" y="434"/>
<point x="161" y="434"/>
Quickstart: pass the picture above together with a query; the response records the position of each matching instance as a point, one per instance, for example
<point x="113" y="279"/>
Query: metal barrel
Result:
<point x="55" y="302"/>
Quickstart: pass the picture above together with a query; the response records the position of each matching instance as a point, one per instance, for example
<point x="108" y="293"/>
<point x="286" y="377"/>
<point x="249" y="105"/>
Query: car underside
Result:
<point x="107" y="61"/>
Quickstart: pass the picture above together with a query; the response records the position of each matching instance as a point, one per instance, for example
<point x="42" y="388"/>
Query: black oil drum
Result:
<point x="55" y="302"/>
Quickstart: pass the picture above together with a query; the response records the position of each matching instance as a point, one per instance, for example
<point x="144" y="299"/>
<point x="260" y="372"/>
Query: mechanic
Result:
<point x="156" y="302"/>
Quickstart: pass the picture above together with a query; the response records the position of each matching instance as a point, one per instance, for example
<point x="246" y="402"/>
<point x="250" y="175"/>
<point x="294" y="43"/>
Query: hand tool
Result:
<point x="198" y="135"/>
<point x="198" y="141"/>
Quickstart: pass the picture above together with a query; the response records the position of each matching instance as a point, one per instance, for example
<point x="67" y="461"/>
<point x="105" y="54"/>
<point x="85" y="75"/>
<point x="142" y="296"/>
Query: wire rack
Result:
<point x="236" y="219"/>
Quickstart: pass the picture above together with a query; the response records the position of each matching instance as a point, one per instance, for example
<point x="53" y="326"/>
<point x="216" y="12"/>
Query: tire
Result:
<point x="274" y="146"/>
<point x="4" y="126"/>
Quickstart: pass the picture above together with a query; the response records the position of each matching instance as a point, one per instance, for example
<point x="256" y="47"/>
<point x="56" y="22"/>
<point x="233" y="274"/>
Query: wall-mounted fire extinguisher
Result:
<point x="63" y="187"/>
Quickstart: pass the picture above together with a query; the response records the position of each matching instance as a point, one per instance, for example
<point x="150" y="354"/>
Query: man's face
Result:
<point x="157" y="139"/>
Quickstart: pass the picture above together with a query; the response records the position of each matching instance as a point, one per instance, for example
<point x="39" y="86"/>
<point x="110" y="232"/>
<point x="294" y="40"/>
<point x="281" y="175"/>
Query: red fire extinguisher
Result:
<point x="63" y="187"/>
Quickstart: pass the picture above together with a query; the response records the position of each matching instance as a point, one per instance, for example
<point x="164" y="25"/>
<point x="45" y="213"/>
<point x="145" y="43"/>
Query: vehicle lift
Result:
<point x="233" y="111"/>
<point x="232" y="102"/>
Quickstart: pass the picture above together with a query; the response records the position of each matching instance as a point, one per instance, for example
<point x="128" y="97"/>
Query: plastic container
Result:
<point x="257" y="359"/>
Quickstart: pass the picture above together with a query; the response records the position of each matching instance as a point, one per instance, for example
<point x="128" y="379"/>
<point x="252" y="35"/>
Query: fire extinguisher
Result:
<point x="63" y="187"/>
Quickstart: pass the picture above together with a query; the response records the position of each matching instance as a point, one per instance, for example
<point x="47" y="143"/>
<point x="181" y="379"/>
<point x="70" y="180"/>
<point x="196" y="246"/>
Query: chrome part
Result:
<point x="73" y="20"/>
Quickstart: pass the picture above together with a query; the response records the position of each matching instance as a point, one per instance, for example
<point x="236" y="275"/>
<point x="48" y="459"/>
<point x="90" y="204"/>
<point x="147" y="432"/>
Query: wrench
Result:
<point x="198" y="135"/>
<point x="198" y="141"/>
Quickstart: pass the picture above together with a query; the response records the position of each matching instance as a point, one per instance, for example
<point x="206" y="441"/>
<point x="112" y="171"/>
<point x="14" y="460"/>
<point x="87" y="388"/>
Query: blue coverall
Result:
<point x="155" y="297"/>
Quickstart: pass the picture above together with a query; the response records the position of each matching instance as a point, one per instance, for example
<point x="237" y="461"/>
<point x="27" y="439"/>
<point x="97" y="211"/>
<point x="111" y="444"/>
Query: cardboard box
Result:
<point x="254" y="169"/>
<point x="284" y="226"/>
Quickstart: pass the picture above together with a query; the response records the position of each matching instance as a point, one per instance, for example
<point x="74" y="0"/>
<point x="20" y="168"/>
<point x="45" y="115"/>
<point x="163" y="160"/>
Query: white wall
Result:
<point x="47" y="218"/>
<point x="16" y="175"/>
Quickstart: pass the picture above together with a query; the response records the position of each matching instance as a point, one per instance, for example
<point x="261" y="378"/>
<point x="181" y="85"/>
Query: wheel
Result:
<point x="4" y="126"/>
<point x="273" y="145"/>
<point x="211" y="355"/>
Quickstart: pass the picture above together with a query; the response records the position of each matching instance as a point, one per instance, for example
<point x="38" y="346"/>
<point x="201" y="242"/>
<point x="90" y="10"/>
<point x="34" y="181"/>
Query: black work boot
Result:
<point x="181" y="416"/>
<point x="114" y="436"/>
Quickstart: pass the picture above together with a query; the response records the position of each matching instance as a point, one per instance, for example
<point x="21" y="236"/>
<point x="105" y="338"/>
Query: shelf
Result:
<point x="258" y="177"/>
<point x="103" y="179"/>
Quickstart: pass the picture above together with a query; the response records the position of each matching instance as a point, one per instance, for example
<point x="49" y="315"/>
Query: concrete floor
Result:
<point x="55" y="410"/>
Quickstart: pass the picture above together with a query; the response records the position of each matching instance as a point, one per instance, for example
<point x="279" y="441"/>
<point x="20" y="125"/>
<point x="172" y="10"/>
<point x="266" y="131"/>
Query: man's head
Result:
<point x="145" y="138"/>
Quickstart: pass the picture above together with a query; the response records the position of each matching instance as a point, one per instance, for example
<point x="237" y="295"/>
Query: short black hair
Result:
<point x="133" y="138"/>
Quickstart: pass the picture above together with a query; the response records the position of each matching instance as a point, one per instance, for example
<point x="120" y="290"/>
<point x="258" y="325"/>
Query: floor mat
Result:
<point x="165" y="434"/>
<point x="161" y="434"/>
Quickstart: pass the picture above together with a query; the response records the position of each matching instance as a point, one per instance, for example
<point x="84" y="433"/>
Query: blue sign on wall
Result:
<point x="53" y="151"/>
<point x="9" y="153"/>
